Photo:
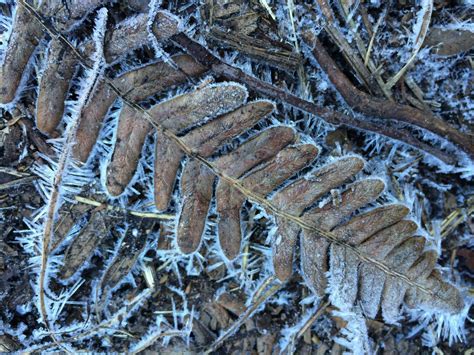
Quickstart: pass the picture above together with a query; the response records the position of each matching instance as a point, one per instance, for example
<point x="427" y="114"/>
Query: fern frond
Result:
<point x="213" y="153"/>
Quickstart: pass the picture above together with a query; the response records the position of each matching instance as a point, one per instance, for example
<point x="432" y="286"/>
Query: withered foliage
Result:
<point x="210" y="150"/>
<point x="263" y="163"/>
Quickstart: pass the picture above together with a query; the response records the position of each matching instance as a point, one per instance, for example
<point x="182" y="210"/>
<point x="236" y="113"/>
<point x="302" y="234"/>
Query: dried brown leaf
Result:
<point x="83" y="245"/>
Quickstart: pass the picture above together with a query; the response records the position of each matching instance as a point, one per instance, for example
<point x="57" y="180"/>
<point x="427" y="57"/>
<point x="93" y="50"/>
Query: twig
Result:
<point x="204" y="57"/>
<point x="56" y="194"/>
<point x="361" y="46"/>
<point x="419" y="95"/>
<point x="269" y="280"/>
<point x="13" y="172"/>
<point x="154" y="338"/>
<point x="267" y="8"/>
<point x="372" y="39"/>
<point x="161" y="216"/>
<point x="354" y="60"/>
<point x="291" y="9"/>
<point x="17" y="182"/>
<point x="384" y="109"/>
<point x="368" y="62"/>
<point x="276" y="55"/>
<point x="427" y="9"/>
<point x="453" y="220"/>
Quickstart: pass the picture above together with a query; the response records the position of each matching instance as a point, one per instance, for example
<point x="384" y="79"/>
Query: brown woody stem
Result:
<point x="204" y="57"/>
<point x="385" y="109"/>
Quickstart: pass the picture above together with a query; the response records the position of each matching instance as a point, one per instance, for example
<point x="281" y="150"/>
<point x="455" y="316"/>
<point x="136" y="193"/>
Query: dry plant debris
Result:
<point x="148" y="160"/>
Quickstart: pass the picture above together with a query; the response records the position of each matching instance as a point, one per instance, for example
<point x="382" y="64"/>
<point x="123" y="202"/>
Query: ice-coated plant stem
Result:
<point x="64" y="164"/>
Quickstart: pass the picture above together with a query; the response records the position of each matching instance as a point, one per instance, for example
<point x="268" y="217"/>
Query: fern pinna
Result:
<point x="206" y="151"/>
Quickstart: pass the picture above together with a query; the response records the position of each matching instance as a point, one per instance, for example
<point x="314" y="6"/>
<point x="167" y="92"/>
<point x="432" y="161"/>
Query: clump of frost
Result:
<point x="6" y="27"/>
<point x="435" y="238"/>
<point x="164" y="330"/>
<point x="437" y="325"/>
<point x="354" y="336"/>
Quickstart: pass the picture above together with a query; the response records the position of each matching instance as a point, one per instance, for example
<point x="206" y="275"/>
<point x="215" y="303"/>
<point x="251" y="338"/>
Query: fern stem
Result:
<point x="63" y="165"/>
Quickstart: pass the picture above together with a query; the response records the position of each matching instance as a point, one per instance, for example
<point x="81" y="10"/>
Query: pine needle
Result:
<point x="423" y="24"/>
<point x="268" y="8"/>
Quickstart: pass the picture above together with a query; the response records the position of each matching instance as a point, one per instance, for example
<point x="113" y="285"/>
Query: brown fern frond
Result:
<point x="352" y="248"/>
<point x="380" y="233"/>
<point x="187" y="110"/>
<point x="263" y="163"/>
<point x="176" y="114"/>
<point x="61" y="64"/>
<point x="197" y="181"/>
